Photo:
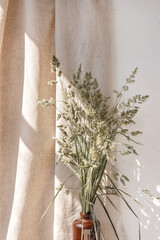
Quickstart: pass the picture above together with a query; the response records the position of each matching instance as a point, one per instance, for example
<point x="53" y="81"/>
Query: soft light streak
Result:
<point x="158" y="188"/>
<point x="31" y="80"/>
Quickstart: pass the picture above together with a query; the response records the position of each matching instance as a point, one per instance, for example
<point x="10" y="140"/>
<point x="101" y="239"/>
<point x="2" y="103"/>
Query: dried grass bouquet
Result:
<point x="90" y="133"/>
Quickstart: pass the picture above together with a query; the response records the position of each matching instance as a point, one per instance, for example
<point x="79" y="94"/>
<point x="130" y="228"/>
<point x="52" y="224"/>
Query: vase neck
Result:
<point x="85" y="215"/>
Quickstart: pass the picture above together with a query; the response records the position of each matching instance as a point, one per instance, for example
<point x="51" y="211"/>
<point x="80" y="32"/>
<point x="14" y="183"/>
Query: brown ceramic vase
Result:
<point x="88" y="228"/>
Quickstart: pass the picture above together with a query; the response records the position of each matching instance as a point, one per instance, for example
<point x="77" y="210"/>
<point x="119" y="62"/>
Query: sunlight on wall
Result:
<point x="137" y="171"/>
<point x="158" y="188"/>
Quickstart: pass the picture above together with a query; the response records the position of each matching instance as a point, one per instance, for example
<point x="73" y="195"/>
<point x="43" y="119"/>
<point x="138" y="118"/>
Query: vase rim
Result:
<point x="85" y="215"/>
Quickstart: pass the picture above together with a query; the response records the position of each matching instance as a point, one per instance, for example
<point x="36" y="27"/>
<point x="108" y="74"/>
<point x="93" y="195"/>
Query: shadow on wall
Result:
<point x="145" y="201"/>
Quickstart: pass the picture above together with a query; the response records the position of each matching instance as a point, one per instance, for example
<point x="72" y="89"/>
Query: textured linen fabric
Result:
<point x="110" y="38"/>
<point x="26" y="146"/>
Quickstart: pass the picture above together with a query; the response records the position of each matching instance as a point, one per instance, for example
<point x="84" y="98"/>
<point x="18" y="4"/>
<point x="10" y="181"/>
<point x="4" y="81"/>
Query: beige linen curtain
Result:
<point x="26" y="147"/>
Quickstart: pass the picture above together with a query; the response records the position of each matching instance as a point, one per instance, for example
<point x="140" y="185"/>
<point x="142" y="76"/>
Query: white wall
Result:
<point x="136" y="43"/>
